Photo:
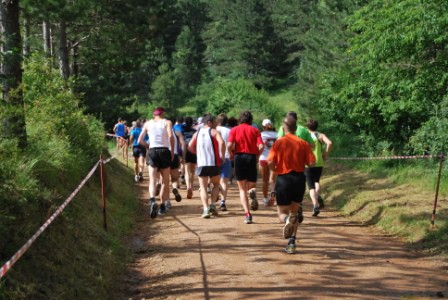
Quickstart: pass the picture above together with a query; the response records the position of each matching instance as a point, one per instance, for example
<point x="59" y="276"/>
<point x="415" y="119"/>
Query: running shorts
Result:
<point x="138" y="151"/>
<point x="226" y="169"/>
<point x="290" y="188"/>
<point x="313" y="176"/>
<point x="208" y="171"/>
<point x="159" y="157"/>
<point x="245" y="167"/>
<point x="175" y="163"/>
<point x="190" y="157"/>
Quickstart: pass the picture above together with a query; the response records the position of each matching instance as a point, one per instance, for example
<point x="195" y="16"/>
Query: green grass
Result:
<point x="397" y="200"/>
<point x="76" y="258"/>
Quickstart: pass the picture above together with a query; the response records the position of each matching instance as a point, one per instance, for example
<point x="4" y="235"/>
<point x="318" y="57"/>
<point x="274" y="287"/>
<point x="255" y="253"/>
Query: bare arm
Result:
<point x="328" y="143"/>
<point x="141" y="138"/>
<point x="169" y="129"/>
<point x="221" y="143"/>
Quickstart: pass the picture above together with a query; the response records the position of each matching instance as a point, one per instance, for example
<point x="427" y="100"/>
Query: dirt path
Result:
<point x="181" y="256"/>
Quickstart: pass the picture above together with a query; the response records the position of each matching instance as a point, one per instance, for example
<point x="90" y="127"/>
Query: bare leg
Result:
<point x="242" y="188"/>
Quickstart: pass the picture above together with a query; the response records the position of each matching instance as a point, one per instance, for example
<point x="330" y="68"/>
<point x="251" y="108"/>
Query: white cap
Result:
<point x="266" y="122"/>
<point x="199" y="120"/>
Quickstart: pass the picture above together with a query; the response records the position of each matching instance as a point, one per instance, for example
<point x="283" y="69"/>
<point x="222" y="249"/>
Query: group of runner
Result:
<point x="287" y="160"/>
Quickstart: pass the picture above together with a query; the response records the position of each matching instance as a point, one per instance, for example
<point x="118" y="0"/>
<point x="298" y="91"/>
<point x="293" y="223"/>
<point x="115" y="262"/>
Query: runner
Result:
<point x="288" y="157"/>
<point x="188" y="157"/>
<point x="245" y="144"/>
<point x="313" y="174"/>
<point x="120" y="132"/>
<point x="160" y="156"/>
<point x="269" y="136"/>
<point x="226" y="167"/>
<point x="210" y="148"/>
<point x="138" y="151"/>
<point x="301" y="131"/>
<point x="175" y="164"/>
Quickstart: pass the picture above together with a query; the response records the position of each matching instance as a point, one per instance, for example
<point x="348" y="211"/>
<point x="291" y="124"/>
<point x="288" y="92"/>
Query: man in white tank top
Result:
<point x="210" y="148"/>
<point x="160" y="156"/>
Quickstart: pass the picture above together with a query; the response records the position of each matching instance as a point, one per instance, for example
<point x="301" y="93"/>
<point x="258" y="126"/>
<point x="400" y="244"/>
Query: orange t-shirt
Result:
<point x="290" y="153"/>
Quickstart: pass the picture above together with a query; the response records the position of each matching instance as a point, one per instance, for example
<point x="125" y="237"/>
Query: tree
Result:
<point x="12" y="115"/>
<point x="396" y="78"/>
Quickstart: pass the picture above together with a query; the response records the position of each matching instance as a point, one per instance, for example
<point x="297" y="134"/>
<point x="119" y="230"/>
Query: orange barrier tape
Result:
<point x="7" y="266"/>
<point x="388" y="157"/>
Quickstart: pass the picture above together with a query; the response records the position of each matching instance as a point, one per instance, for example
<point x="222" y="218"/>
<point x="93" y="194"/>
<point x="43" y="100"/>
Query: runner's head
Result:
<point x="159" y="111"/>
<point x="221" y="119"/>
<point x="292" y="114"/>
<point x="312" y="124"/>
<point x="209" y="120"/>
<point x="267" y="124"/>
<point x="188" y="122"/>
<point x="246" y="117"/>
<point x="289" y="124"/>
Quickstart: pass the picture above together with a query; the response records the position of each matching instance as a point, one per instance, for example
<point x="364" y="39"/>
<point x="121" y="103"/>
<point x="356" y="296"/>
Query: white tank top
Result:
<point x="225" y="136"/>
<point x="158" y="136"/>
<point x="207" y="149"/>
<point x="268" y="137"/>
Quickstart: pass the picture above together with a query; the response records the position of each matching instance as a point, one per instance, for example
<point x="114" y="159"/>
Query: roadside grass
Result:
<point x="76" y="258"/>
<point x="398" y="201"/>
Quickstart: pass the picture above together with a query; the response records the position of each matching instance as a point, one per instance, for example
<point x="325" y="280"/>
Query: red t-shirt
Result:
<point x="290" y="153"/>
<point x="246" y="139"/>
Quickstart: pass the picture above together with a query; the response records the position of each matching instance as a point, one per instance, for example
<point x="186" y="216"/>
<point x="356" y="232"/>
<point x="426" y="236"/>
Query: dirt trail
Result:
<point x="182" y="256"/>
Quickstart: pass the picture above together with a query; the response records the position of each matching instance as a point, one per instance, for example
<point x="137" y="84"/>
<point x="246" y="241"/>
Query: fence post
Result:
<point x="433" y="218"/>
<point x="103" y="193"/>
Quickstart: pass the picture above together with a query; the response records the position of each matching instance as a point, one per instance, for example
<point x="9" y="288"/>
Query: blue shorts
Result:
<point x="226" y="169"/>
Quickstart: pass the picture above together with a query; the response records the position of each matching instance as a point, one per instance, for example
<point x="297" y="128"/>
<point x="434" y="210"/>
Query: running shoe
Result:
<point x="265" y="202"/>
<point x="158" y="187"/>
<point x="290" y="248"/>
<point x="206" y="214"/>
<point x="189" y="193"/>
<point x="168" y="204"/>
<point x="223" y="206"/>
<point x="182" y="179"/>
<point x="136" y="178"/>
<point x="248" y="219"/>
<point x="273" y="199"/>
<point x="140" y="176"/>
<point x="177" y="196"/>
<point x="162" y="209"/>
<point x="321" y="202"/>
<point x="213" y="210"/>
<point x="287" y="229"/>
<point x="153" y="207"/>
<point x="253" y="198"/>
<point x="316" y="211"/>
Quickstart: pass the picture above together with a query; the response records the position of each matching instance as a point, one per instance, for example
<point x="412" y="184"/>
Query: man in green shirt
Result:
<point x="301" y="131"/>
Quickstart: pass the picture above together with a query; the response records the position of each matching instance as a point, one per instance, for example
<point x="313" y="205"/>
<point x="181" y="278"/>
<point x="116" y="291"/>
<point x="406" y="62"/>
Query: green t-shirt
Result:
<point x="301" y="132"/>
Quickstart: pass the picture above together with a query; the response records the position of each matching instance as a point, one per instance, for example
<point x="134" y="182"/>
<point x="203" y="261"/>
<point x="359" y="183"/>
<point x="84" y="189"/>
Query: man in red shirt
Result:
<point x="288" y="157"/>
<point x="245" y="146"/>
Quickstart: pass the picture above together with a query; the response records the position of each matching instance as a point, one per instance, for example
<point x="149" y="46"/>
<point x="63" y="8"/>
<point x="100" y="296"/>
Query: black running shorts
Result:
<point x="175" y="163"/>
<point x="313" y="176"/>
<point x="138" y="151"/>
<point x="208" y="171"/>
<point x="190" y="157"/>
<point x="159" y="158"/>
<point x="290" y="188"/>
<point x="245" y="167"/>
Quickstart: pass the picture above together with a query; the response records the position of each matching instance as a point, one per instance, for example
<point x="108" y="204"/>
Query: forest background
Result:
<point x="373" y="73"/>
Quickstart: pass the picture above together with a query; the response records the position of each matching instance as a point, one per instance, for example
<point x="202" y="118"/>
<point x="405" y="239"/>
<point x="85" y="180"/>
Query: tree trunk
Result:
<point x="63" y="52"/>
<point x="47" y="38"/>
<point x="12" y="115"/>
<point x="26" y="36"/>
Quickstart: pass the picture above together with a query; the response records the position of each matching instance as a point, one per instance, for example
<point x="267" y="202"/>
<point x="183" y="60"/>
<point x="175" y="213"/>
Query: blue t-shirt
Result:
<point x="120" y="130"/>
<point x="178" y="127"/>
<point x="135" y="133"/>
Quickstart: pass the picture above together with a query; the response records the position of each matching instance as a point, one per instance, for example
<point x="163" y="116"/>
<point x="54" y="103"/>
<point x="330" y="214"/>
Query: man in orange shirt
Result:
<point x="288" y="157"/>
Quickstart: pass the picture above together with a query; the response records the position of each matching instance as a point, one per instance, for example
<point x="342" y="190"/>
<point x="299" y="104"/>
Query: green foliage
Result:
<point x="58" y="130"/>
<point x="395" y="79"/>
<point x="235" y="96"/>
